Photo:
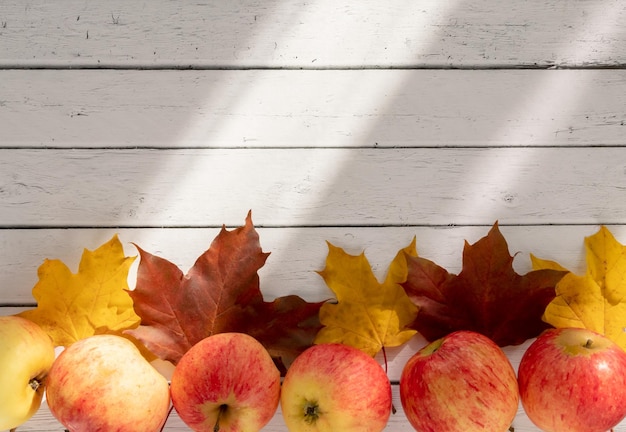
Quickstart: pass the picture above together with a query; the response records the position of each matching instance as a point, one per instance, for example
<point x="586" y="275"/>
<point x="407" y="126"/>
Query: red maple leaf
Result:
<point x="220" y="293"/>
<point x="487" y="296"/>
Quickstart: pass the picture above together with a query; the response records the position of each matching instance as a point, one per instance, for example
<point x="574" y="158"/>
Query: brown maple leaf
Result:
<point x="487" y="296"/>
<point x="220" y="293"/>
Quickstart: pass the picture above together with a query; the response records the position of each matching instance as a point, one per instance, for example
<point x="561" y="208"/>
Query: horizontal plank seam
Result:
<point x="16" y="305"/>
<point x="200" y="67"/>
<point x="308" y="226"/>
<point x="317" y="147"/>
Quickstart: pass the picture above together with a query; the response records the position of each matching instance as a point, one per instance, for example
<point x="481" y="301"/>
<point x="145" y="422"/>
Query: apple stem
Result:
<point x="34" y="384"/>
<point x="589" y="343"/>
<point x="311" y="412"/>
<point x="223" y="408"/>
<point x="393" y="408"/>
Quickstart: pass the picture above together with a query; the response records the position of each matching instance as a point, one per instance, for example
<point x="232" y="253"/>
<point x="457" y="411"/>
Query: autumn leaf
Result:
<point x="487" y="296"/>
<point x="368" y="315"/>
<point x="220" y="293"/>
<point x="73" y="306"/>
<point x="597" y="299"/>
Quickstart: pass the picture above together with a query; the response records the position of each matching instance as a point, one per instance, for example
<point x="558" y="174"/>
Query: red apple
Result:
<point x="226" y="382"/>
<point x="334" y="387"/>
<point x="573" y="380"/>
<point x="461" y="382"/>
<point x="103" y="383"/>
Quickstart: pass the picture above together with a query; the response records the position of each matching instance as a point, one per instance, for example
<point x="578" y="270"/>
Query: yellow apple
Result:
<point x="26" y="355"/>
<point x="103" y="383"/>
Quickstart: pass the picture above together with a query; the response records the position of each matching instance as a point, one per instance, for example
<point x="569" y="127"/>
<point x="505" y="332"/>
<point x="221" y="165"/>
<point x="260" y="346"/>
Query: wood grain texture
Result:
<point x="312" y="187"/>
<point x="321" y="34"/>
<point x="333" y="108"/>
<point x="361" y="123"/>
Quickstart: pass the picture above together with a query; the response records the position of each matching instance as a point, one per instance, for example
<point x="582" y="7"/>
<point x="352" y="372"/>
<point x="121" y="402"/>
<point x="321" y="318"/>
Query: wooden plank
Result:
<point x="311" y="187"/>
<point x="295" y="253"/>
<point x="322" y="34"/>
<point x="278" y="108"/>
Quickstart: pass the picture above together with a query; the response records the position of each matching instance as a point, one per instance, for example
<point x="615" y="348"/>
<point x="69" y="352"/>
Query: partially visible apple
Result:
<point x="26" y="355"/>
<point x="103" y="383"/>
<point x="573" y="380"/>
<point x="227" y="382"/>
<point x="461" y="382"/>
<point x="334" y="387"/>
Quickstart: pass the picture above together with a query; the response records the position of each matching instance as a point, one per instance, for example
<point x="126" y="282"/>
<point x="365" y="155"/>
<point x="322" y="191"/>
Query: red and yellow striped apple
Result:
<point x="461" y="382"/>
<point x="26" y="355"/>
<point x="573" y="380"/>
<point x="103" y="383"/>
<point x="226" y="382"/>
<point x="335" y="387"/>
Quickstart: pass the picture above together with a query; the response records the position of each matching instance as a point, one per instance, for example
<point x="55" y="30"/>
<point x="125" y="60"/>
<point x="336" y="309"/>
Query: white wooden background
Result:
<point x="364" y="123"/>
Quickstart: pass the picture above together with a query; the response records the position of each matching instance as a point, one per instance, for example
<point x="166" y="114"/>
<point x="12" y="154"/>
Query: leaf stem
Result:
<point x="385" y="358"/>
<point x="393" y="408"/>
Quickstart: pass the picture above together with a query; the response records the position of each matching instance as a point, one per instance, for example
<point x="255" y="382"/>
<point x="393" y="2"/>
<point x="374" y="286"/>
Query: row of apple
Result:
<point x="569" y="379"/>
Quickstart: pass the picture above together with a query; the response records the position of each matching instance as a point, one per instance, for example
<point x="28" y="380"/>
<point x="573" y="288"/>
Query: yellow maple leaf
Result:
<point x="597" y="299"/>
<point x="367" y="315"/>
<point x="94" y="300"/>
